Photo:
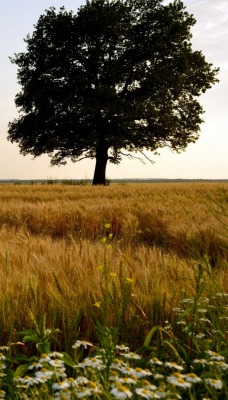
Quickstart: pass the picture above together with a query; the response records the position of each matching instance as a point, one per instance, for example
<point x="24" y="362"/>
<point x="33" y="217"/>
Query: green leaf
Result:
<point x="27" y="332"/>
<point x="150" y="335"/>
<point x="31" y="338"/>
<point x="21" y="370"/>
<point x="18" y="358"/>
<point x="67" y="360"/>
<point x="43" y="347"/>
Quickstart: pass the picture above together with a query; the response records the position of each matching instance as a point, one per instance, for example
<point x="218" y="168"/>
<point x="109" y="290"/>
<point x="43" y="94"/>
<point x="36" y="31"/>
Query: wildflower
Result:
<point x="201" y="361"/>
<point x="82" y="343"/>
<point x="104" y="240"/>
<point x="205" y="320"/>
<point x="187" y="301"/>
<point x="113" y="274"/>
<point x="216" y="383"/>
<point x="113" y="376"/>
<point x="27" y="380"/>
<point x="55" y="354"/>
<point x="118" y="364"/>
<point x="147" y="385"/>
<point x="161" y="393"/>
<point x="60" y="385"/>
<point x="107" y="225"/>
<point x="181" y="323"/>
<point x="146" y="394"/>
<point x="174" y="365"/>
<point x="200" y="335"/>
<point x="42" y="378"/>
<point x="158" y="376"/>
<point x="93" y="386"/>
<point x="33" y="365"/>
<point x="44" y="359"/>
<point x="72" y="382"/>
<point x="62" y="395"/>
<point x="2" y="394"/>
<point x="84" y="393"/>
<point x="193" y="378"/>
<point x="121" y="392"/>
<point x="43" y="372"/>
<point x="221" y="365"/>
<point x="5" y="348"/>
<point x="128" y="380"/>
<point x="93" y="362"/>
<point x="60" y="373"/>
<point x="56" y="363"/>
<point x="126" y="370"/>
<point x="88" y="390"/>
<point x="202" y="310"/>
<point x="131" y="355"/>
<point x="177" y="380"/>
<point x="122" y="347"/>
<point x="100" y="267"/>
<point x="205" y="300"/>
<point x="81" y="380"/>
<point x="215" y="356"/>
<point x="156" y="361"/>
<point x="167" y="326"/>
<point x="140" y="373"/>
<point x="221" y="294"/>
<point x="17" y="344"/>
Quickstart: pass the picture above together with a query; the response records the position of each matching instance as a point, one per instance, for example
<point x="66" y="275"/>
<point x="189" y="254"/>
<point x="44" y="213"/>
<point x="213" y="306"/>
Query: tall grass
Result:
<point x="52" y="255"/>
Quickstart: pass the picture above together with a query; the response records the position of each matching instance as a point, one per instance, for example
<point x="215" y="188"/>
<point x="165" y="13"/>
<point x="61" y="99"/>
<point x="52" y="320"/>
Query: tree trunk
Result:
<point x="99" y="177"/>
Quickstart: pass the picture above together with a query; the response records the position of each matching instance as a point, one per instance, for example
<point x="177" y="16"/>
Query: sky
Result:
<point x="206" y="159"/>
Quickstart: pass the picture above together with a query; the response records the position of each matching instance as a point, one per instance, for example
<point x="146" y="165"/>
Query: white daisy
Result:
<point x="173" y="365"/>
<point x="193" y="378"/>
<point x="178" y="381"/>
<point x="215" y="356"/>
<point x="60" y="385"/>
<point x="121" y="392"/>
<point x="82" y="343"/>
<point x="146" y="394"/>
<point x="216" y="383"/>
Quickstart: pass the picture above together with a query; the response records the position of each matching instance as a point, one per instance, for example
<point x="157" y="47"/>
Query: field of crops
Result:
<point x="81" y="258"/>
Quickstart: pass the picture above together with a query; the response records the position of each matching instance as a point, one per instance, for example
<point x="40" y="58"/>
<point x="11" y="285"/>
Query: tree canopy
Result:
<point x="118" y="76"/>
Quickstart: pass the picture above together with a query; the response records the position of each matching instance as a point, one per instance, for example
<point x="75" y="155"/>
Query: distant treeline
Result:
<point x="51" y="181"/>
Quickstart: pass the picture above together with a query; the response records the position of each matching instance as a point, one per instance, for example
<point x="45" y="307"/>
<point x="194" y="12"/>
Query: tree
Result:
<point x="119" y="76"/>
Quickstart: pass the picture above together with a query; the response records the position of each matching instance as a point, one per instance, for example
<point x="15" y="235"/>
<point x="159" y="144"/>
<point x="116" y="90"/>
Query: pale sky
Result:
<point x="206" y="159"/>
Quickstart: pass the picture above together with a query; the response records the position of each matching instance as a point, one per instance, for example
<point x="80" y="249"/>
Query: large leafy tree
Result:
<point x="117" y="77"/>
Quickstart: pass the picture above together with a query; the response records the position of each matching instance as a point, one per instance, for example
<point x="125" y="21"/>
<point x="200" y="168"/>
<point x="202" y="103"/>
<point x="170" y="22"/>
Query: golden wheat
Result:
<point x="51" y="247"/>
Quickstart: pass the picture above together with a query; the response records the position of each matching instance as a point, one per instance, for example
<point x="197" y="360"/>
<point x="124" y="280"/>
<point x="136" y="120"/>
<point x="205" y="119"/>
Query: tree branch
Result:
<point x="82" y="158"/>
<point x="151" y="161"/>
<point x="131" y="156"/>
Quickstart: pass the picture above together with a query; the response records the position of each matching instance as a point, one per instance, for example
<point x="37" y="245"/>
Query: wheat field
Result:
<point x="53" y="253"/>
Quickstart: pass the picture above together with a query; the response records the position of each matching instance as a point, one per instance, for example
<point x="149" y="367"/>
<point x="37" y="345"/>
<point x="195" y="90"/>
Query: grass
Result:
<point x="111" y="265"/>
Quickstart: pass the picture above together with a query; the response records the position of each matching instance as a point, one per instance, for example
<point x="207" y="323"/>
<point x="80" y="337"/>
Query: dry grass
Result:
<point x="50" y="248"/>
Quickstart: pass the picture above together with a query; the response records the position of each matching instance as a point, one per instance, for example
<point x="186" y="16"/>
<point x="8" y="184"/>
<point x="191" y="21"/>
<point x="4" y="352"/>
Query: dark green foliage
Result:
<point x="118" y="75"/>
